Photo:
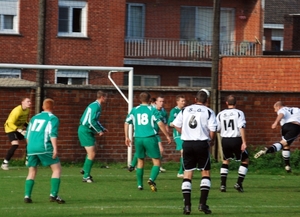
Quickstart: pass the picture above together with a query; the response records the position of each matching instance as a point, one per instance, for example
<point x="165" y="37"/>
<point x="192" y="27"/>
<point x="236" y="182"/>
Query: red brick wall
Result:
<point x="167" y="25"/>
<point x="22" y="48"/>
<point x="260" y="115"/>
<point x="261" y="73"/>
<point x="69" y="106"/>
<point x="259" y="82"/>
<point x="103" y="46"/>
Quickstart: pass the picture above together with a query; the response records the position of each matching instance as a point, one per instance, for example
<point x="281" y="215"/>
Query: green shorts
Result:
<point x="86" y="136"/>
<point x="158" y="138"/>
<point x="178" y="142"/>
<point x="41" y="159"/>
<point x="147" y="145"/>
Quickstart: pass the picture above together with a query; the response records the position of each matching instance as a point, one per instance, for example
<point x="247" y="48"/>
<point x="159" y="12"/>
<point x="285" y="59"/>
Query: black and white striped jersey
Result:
<point x="230" y="121"/>
<point x="290" y="114"/>
<point x="196" y="121"/>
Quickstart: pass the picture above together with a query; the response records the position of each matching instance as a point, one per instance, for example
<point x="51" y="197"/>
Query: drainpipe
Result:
<point x="39" y="95"/>
<point x="215" y="65"/>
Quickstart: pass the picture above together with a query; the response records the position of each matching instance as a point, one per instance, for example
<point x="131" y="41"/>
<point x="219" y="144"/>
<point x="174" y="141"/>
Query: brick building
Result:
<point x="278" y="27"/>
<point x="165" y="60"/>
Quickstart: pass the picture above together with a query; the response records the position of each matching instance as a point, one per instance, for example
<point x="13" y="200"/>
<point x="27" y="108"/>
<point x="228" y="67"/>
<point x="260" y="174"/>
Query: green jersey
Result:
<point x="90" y="117"/>
<point x="173" y="114"/>
<point x="42" y="127"/>
<point x="143" y="118"/>
<point x="163" y="117"/>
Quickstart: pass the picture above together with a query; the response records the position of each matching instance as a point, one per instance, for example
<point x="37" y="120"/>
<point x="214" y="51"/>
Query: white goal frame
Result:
<point x="110" y="70"/>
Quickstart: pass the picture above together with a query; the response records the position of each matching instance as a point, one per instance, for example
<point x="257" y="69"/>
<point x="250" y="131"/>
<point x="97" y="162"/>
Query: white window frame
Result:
<point x="129" y="27"/>
<point x="191" y="78"/>
<point x="9" y="73"/>
<point x="203" y="35"/>
<point x="275" y="37"/>
<point x="72" y="74"/>
<point x="10" y="8"/>
<point x="71" y="4"/>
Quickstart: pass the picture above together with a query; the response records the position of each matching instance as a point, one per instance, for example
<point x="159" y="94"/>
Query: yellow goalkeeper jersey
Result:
<point x="16" y="119"/>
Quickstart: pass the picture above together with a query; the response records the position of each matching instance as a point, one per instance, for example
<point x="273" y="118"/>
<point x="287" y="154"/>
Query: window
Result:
<point x="71" y="77"/>
<point x="189" y="81"/>
<point x="135" y="21"/>
<point x="143" y="80"/>
<point x="10" y="73"/>
<point x="277" y="40"/>
<point x="196" y="23"/>
<point x="72" y="18"/>
<point x="9" y="20"/>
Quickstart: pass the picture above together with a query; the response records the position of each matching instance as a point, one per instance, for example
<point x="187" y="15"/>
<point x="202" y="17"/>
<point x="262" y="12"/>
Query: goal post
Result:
<point x="110" y="70"/>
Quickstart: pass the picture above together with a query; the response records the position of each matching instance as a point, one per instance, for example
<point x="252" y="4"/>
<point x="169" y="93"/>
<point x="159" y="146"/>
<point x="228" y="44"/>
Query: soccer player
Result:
<point x="159" y="105"/>
<point x="180" y="101"/>
<point x="197" y="125"/>
<point x="232" y="124"/>
<point x="143" y="118"/>
<point x="15" y="128"/>
<point x="42" y="149"/>
<point x="289" y="119"/>
<point x="90" y="126"/>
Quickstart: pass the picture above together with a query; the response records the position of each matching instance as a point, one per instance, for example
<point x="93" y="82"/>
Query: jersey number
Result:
<point x="142" y="119"/>
<point x="229" y="124"/>
<point x="37" y="125"/>
<point x="193" y="122"/>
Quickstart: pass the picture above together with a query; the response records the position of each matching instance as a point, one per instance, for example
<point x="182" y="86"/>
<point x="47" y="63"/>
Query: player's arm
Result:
<point x="54" y="145"/>
<point x="171" y="118"/>
<point x="243" y="135"/>
<point x="212" y="136"/>
<point x="177" y="122"/>
<point x="278" y="119"/>
<point x="162" y="127"/>
<point x="54" y="135"/>
<point x="178" y="129"/>
<point x="126" y="131"/>
<point x="94" y="120"/>
<point x="242" y="129"/>
<point x="12" y="119"/>
<point x="166" y="124"/>
<point x="212" y="126"/>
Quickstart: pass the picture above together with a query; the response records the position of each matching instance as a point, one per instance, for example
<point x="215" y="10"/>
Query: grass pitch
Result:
<point x="114" y="193"/>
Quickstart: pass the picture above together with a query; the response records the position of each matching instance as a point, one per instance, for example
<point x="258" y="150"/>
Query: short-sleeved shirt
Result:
<point x="42" y="127"/>
<point x="172" y="116"/>
<point x="90" y="117"/>
<point x="196" y="121"/>
<point x="290" y="114"/>
<point x="230" y="121"/>
<point x="163" y="117"/>
<point x="16" y="119"/>
<point x="143" y="118"/>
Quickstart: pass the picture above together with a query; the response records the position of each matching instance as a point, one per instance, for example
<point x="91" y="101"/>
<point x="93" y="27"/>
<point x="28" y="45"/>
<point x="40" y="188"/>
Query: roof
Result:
<point x="276" y="9"/>
<point x="16" y="82"/>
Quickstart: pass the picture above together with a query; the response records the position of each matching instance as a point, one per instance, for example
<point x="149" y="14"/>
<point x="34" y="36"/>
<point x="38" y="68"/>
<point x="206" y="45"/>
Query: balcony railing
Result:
<point x="186" y="49"/>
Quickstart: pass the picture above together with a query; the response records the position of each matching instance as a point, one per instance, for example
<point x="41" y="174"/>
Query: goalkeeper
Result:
<point x="15" y="128"/>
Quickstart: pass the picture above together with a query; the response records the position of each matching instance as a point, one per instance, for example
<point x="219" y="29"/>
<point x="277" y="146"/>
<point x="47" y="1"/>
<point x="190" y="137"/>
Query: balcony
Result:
<point x="182" y="52"/>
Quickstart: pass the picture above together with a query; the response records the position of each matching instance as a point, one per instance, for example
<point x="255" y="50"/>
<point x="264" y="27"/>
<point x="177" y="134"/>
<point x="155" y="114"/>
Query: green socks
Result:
<point x="181" y="166"/>
<point x="28" y="187"/>
<point x="134" y="161"/>
<point x="55" y="183"/>
<point x="139" y="176"/>
<point x="154" y="172"/>
<point x="87" y="167"/>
